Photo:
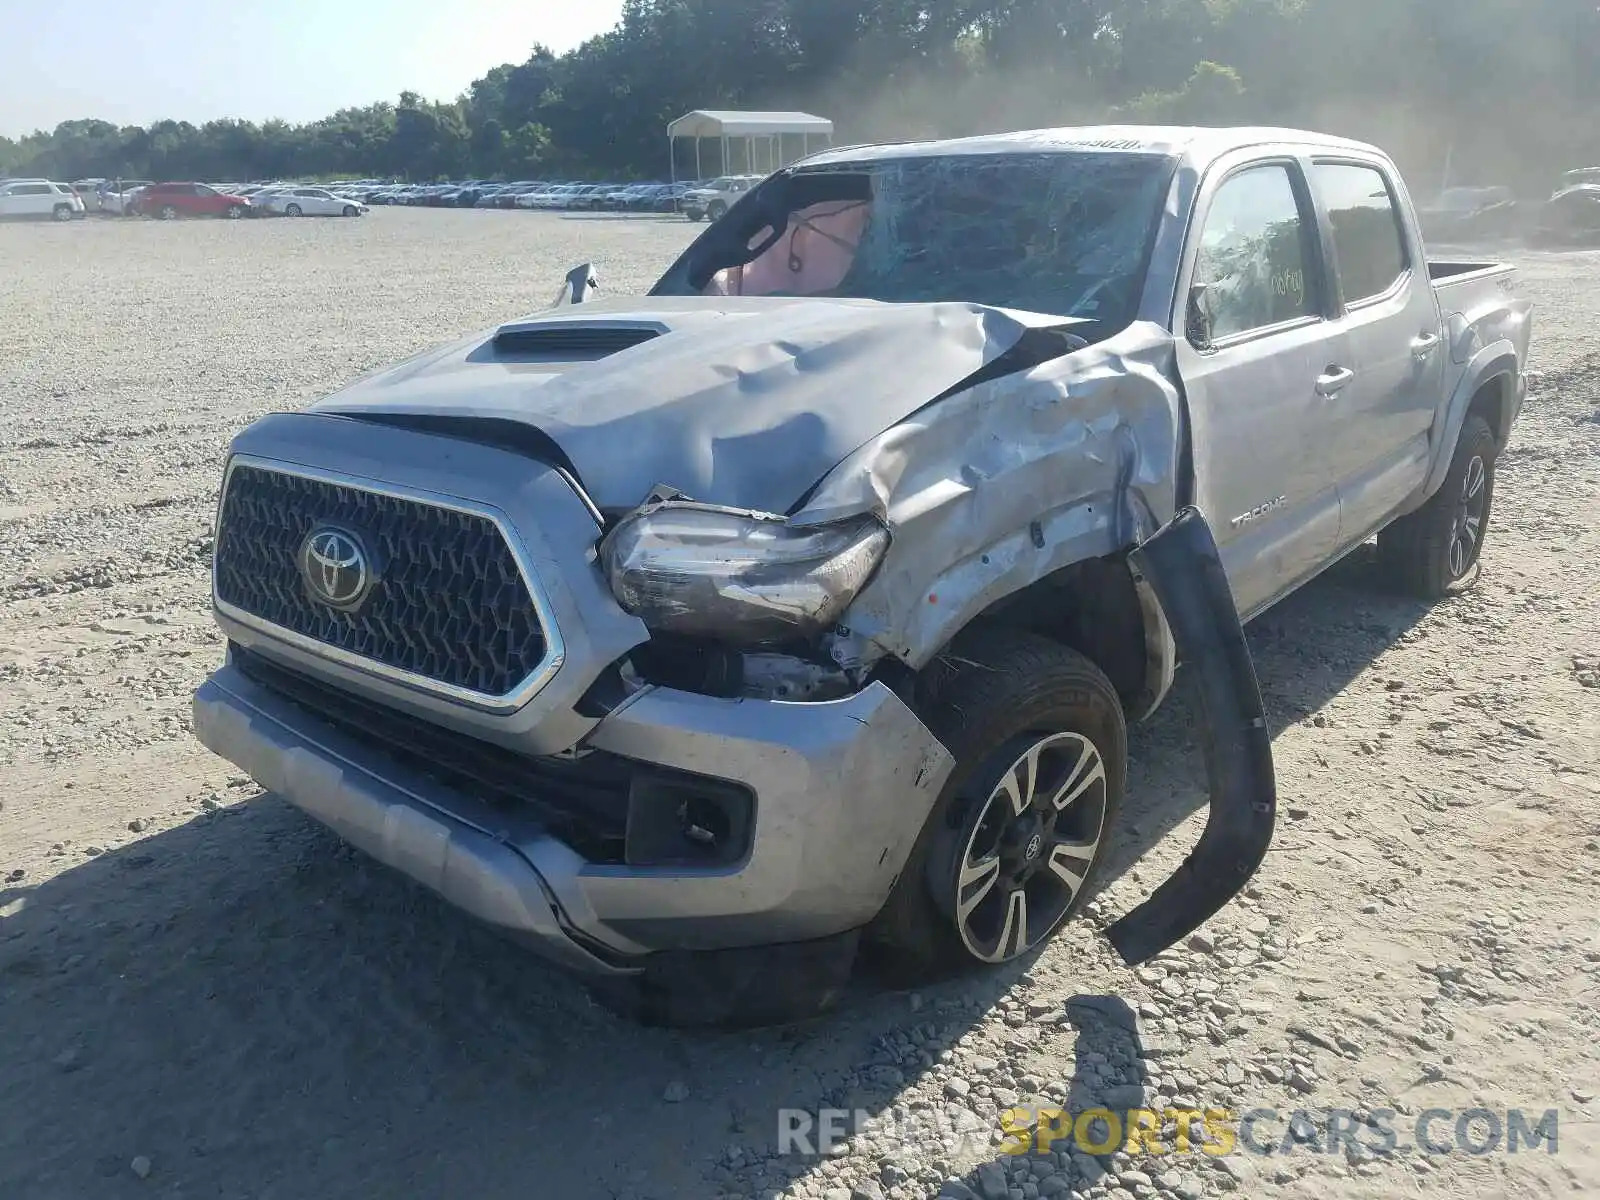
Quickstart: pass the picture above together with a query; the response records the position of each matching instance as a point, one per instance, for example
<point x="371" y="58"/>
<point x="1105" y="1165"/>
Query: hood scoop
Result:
<point x="568" y="341"/>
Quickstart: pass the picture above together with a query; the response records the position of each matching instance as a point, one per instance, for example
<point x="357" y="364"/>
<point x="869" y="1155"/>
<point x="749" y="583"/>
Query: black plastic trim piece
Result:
<point x="1183" y="566"/>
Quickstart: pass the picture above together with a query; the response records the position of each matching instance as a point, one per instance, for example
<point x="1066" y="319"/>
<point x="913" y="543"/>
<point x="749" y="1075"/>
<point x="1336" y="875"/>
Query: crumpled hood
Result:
<point x="745" y="402"/>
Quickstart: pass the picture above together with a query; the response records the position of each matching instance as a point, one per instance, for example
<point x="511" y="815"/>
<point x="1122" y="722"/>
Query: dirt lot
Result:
<point x="203" y="995"/>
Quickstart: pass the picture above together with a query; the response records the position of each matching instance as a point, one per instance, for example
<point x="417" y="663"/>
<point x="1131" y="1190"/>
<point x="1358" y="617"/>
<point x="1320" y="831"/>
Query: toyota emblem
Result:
<point x="336" y="568"/>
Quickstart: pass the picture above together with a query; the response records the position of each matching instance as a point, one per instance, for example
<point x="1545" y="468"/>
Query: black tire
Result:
<point x="62" y="212"/>
<point x="350" y="210"/>
<point x="995" y="694"/>
<point x="234" y="212"/>
<point x="715" y="210"/>
<point x="292" y="210"/>
<point x="1434" y="551"/>
<point x="167" y="212"/>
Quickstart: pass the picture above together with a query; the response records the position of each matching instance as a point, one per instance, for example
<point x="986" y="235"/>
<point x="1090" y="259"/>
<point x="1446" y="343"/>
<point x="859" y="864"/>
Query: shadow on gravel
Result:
<point x="261" y="1012"/>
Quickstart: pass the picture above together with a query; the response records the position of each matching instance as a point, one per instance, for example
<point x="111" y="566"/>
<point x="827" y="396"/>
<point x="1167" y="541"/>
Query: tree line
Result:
<point x="1498" y="91"/>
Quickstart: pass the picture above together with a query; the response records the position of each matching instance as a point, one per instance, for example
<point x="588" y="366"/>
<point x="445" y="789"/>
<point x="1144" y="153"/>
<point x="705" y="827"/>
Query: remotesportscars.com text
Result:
<point x="1216" y="1132"/>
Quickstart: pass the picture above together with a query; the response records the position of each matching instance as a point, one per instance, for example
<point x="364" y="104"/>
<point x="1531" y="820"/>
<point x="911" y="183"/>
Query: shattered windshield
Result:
<point x="1063" y="233"/>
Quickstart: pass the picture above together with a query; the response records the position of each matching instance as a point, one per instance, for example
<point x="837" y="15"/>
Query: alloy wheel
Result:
<point x="1029" y="846"/>
<point x="1467" y="528"/>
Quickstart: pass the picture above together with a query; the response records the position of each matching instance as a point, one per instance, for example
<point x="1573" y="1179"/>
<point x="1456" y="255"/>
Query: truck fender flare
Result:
<point x="1182" y="566"/>
<point x="1494" y="361"/>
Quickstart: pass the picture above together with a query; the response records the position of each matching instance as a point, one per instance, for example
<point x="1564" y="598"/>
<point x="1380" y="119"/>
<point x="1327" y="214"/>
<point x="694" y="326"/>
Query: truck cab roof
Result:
<point x="1198" y="145"/>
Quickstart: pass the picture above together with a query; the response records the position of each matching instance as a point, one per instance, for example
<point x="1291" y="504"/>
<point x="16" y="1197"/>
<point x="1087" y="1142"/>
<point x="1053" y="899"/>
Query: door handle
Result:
<point x="1424" y="345"/>
<point x="1333" y="380"/>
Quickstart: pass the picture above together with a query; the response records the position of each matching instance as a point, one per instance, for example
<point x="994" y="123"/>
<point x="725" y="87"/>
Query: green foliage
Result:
<point x="1505" y="84"/>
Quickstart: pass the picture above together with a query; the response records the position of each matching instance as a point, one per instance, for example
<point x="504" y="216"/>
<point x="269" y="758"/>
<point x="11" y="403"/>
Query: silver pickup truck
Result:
<point x="704" y="639"/>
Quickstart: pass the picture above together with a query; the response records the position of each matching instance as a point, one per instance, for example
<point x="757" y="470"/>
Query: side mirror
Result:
<point x="579" y="282"/>
<point x="1197" y="320"/>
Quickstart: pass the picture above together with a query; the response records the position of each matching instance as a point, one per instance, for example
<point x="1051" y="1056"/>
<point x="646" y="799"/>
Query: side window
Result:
<point x="1367" y="236"/>
<point x="1254" y="259"/>
<point x="32" y="189"/>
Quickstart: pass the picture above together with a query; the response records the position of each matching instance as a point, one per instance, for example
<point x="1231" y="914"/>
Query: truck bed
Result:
<point x="1464" y="286"/>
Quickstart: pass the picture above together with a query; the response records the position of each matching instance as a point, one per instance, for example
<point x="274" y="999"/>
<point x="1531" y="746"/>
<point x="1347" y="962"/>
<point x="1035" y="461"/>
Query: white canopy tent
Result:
<point x="756" y="130"/>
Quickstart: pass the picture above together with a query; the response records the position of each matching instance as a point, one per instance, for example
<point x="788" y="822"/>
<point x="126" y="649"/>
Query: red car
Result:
<point x="169" y="200"/>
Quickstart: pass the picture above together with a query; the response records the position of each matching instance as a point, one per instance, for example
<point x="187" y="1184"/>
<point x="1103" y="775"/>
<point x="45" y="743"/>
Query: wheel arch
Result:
<point x="1103" y="608"/>
<point x="1490" y="386"/>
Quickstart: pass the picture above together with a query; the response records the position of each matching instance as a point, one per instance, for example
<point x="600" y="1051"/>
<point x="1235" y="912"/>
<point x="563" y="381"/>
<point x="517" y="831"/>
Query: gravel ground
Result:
<point x="202" y="994"/>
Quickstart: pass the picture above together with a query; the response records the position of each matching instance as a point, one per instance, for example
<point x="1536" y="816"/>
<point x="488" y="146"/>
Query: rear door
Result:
<point x="28" y="200"/>
<point x="1258" y="371"/>
<point x="1379" y="444"/>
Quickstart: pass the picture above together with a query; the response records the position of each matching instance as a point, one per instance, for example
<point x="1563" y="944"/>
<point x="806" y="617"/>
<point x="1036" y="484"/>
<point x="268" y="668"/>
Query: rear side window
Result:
<point x="1254" y="259"/>
<point x="1367" y="236"/>
<point x="31" y="189"/>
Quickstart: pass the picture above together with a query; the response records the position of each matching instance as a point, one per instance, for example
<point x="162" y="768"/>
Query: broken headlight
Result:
<point x="736" y="576"/>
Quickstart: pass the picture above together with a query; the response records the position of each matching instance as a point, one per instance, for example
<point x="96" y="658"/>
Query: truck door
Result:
<point x="1380" y="447"/>
<point x="1260" y="361"/>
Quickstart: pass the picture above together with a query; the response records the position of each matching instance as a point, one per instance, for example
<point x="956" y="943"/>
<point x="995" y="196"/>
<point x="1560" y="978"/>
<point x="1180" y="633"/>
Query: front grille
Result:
<point x="583" y="801"/>
<point x="450" y="604"/>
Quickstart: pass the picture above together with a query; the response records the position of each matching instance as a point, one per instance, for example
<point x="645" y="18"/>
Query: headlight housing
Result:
<point x="737" y="576"/>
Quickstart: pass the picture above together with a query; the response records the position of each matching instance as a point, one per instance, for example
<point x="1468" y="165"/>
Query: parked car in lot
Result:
<point x="555" y="196"/>
<point x="117" y="194"/>
<point x="306" y="202"/>
<point x="89" y="191"/>
<point x="1569" y="218"/>
<point x="713" y="200"/>
<point x="1576" y="176"/>
<point x="1465" y="213"/>
<point x="167" y="201"/>
<point x="39" y="199"/>
<point x="723" y="669"/>
<point x="506" y="195"/>
<point x="646" y="197"/>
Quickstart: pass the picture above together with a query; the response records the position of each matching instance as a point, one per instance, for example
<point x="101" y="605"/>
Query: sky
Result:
<point x="132" y="62"/>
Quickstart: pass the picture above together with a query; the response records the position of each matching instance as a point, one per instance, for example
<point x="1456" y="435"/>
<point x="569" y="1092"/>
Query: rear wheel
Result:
<point x="715" y="210"/>
<point x="62" y="212"/>
<point x="292" y="210"/>
<point x="1434" y="551"/>
<point x="1014" y="841"/>
<point x="167" y="212"/>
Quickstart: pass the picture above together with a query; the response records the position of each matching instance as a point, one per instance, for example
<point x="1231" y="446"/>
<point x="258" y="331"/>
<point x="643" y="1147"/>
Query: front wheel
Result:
<point x="1434" y="552"/>
<point x="715" y="210"/>
<point x="234" y="212"/>
<point x="1014" y="841"/>
<point x="292" y="210"/>
<point x="350" y="210"/>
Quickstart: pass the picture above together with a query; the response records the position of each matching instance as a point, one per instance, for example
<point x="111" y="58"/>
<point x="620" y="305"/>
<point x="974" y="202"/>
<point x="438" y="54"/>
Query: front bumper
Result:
<point x="841" y="791"/>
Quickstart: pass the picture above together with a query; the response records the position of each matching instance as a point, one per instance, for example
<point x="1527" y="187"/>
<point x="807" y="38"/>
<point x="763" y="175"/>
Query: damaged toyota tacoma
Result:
<point x="706" y="639"/>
